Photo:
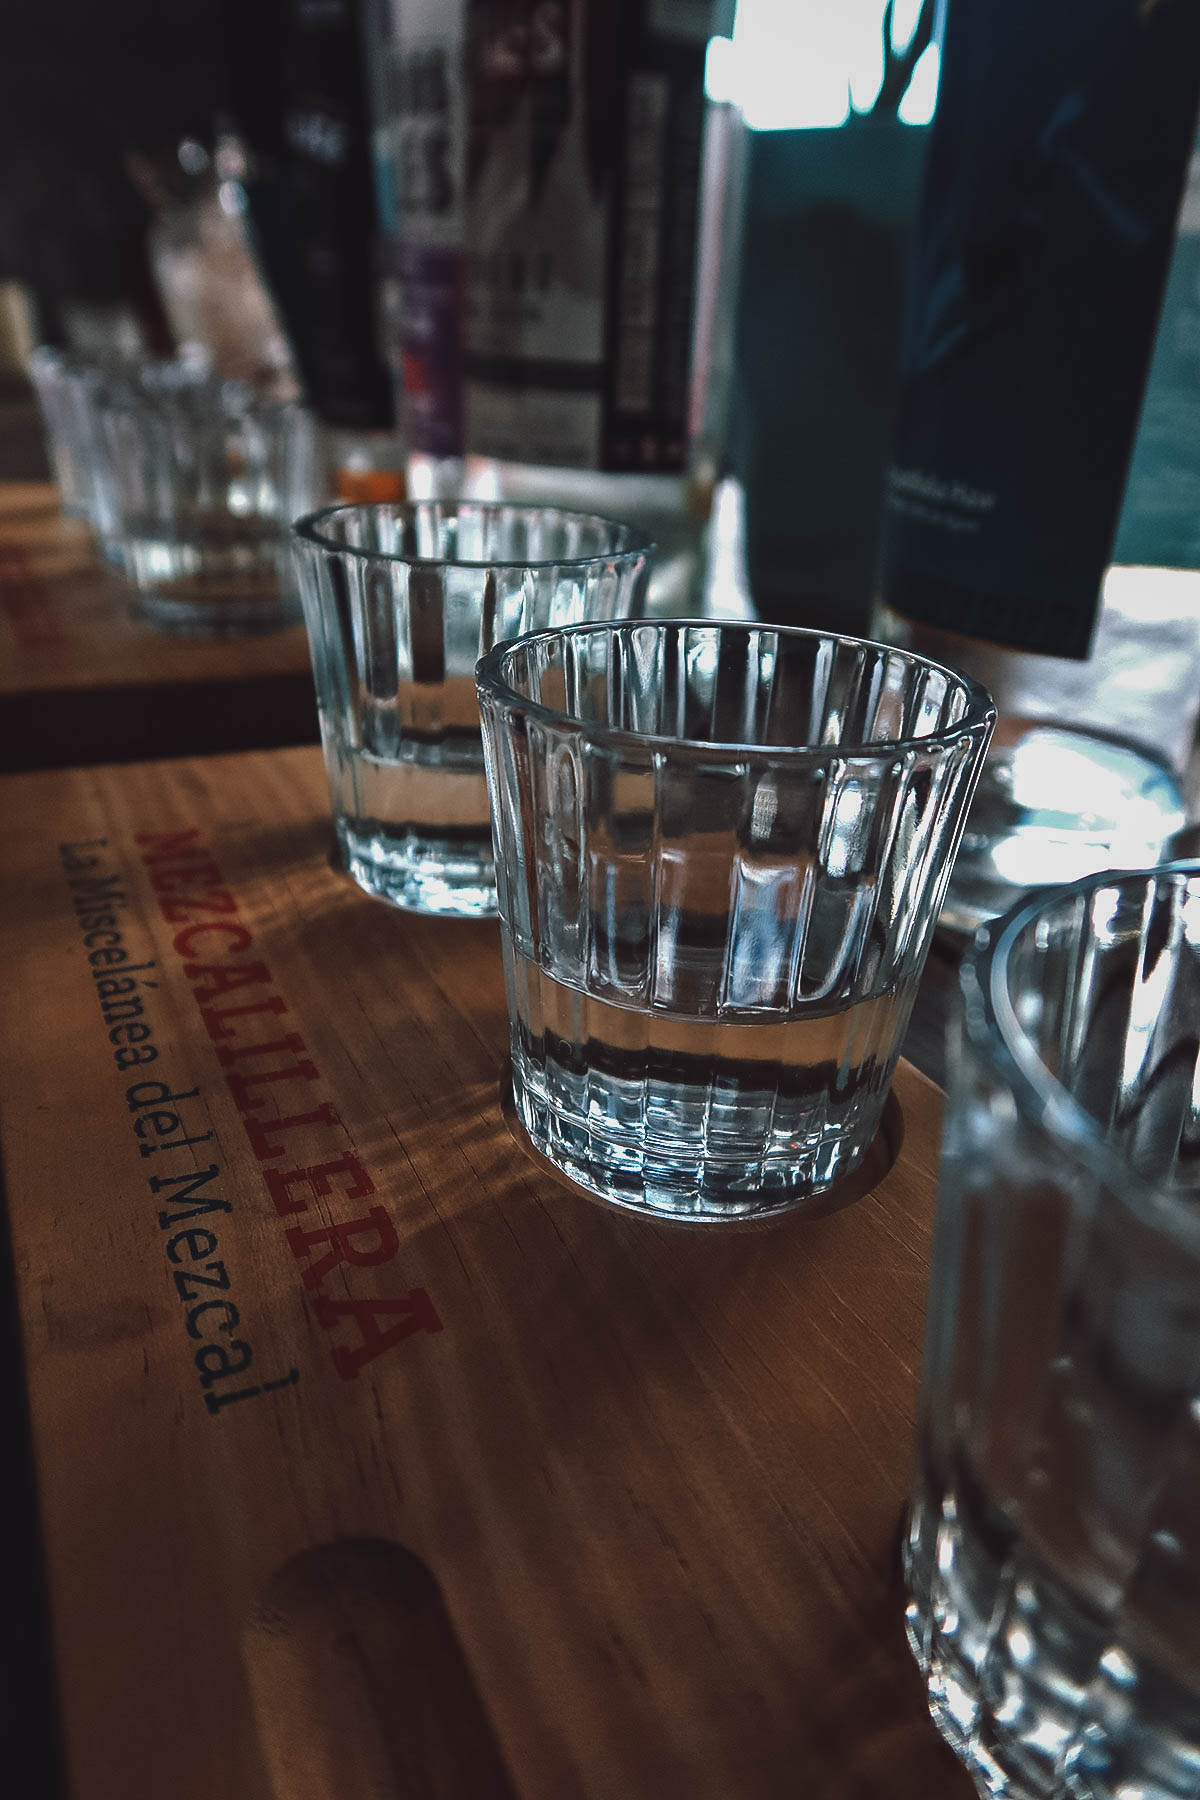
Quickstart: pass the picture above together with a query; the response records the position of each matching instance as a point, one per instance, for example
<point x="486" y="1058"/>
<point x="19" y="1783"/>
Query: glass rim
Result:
<point x="308" y="531"/>
<point x="979" y="713"/>
<point x="1002" y="1043"/>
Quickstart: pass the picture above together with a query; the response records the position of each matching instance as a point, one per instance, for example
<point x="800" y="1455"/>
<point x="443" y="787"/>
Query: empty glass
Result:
<point x="56" y="380"/>
<point x="1053" y="1556"/>
<point x="720" y="855"/>
<point x="197" y="483"/>
<point x="400" y="601"/>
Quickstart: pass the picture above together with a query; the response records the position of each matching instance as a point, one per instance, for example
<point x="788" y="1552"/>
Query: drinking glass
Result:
<point x="1053" y="1553"/>
<point x="197" y="482"/>
<point x="400" y="601"/>
<point x="720" y="854"/>
<point x="56" y="382"/>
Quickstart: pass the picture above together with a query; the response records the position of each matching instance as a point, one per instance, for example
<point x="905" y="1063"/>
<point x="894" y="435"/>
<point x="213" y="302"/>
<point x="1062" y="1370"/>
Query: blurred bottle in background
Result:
<point x="1062" y="138"/>
<point x="83" y="90"/>
<point x="562" y="203"/>
<point x="217" y="305"/>
<point x="836" y="101"/>
<point x="297" y="86"/>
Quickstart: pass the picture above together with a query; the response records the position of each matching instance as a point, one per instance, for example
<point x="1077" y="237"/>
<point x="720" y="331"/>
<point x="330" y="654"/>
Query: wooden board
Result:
<point x="518" y="1496"/>
<point x="82" y="679"/>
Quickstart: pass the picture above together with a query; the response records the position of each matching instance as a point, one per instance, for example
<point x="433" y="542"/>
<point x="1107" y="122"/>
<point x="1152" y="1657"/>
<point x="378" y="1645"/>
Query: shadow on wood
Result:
<point x="361" y="1690"/>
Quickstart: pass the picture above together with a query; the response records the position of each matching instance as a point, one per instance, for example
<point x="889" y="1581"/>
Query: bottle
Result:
<point x="1053" y="182"/>
<point x="298" y="92"/>
<point x="558" y="198"/>
<point x="217" y="305"/>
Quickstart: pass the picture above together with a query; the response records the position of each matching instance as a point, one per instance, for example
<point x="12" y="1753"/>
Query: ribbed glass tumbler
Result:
<point x="1053" y="1554"/>
<point x="721" y="850"/>
<point x="69" y="392"/>
<point x="196" y="483"/>
<point x="400" y="602"/>
<point x="55" y="378"/>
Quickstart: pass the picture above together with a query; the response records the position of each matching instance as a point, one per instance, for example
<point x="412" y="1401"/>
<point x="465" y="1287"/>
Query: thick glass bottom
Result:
<point x="418" y="872"/>
<point x="226" y="615"/>
<point x="653" y="1146"/>
<point x="1038" y="1689"/>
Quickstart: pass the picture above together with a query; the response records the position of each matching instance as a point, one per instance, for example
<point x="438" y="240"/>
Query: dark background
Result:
<point x="86" y="86"/>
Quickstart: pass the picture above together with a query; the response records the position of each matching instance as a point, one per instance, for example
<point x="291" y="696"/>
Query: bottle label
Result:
<point x="420" y="153"/>
<point x="1056" y="161"/>
<point x="578" y="125"/>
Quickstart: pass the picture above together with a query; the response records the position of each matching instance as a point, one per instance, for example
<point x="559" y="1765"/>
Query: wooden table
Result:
<point x="371" y="1460"/>
<point x="83" y="680"/>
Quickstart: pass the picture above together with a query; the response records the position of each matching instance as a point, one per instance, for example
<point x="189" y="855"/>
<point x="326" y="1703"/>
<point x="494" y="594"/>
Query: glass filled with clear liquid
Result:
<point x="1053" y="1549"/>
<point x="400" y="601"/>
<point x="720" y="855"/>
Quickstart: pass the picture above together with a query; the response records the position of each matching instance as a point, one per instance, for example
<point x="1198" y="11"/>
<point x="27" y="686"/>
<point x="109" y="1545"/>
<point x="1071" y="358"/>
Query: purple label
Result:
<point x="431" y="348"/>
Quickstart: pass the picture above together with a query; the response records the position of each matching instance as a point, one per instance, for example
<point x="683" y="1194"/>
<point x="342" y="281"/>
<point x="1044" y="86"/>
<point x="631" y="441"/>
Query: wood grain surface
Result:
<point x="83" y="679"/>
<point x="373" y="1462"/>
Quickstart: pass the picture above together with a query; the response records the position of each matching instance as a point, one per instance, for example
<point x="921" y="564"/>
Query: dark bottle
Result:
<point x="297" y="81"/>
<point x="1056" y="163"/>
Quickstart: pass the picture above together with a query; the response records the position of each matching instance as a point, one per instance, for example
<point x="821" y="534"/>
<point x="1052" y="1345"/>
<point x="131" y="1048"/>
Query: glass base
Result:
<point x="227" y="616"/>
<point x="1040" y="1693"/>
<point x="1053" y="807"/>
<point x="696" y="1185"/>
<point x="418" y="873"/>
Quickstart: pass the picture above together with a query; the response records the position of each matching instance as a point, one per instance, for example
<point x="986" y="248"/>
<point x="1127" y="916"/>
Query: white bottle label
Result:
<point x="578" y="129"/>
